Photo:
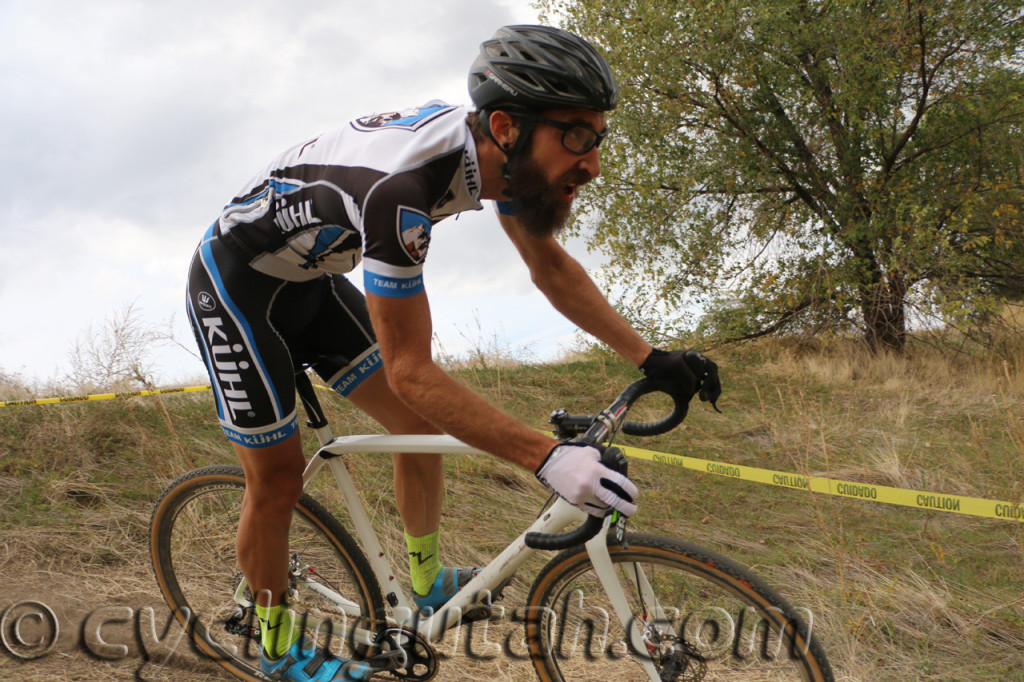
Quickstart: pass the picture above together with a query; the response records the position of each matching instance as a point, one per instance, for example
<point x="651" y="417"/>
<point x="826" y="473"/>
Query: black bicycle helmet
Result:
<point x="540" y="67"/>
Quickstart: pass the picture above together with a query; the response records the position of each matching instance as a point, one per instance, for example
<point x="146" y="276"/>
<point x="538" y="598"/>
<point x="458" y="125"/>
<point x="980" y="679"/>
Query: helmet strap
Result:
<point x="527" y="120"/>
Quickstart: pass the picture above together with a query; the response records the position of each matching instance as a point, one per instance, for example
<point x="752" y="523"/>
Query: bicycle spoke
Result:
<point x="693" y="620"/>
<point x="331" y="588"/>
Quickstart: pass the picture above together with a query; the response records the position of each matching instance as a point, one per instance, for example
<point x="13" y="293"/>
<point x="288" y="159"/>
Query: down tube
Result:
<point x="556" y="518"/>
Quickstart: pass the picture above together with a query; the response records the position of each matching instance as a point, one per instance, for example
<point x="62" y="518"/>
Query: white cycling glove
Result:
<point x="575" y="472"/>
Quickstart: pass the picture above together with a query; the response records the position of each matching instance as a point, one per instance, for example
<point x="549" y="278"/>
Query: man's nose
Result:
<point x="591" y="163"/>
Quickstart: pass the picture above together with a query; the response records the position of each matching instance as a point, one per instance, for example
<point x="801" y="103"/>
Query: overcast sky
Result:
<point x="125" y="125"/>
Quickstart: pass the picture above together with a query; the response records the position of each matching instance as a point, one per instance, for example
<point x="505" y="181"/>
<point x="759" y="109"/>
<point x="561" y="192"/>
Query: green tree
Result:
<point x="810" y="164"/>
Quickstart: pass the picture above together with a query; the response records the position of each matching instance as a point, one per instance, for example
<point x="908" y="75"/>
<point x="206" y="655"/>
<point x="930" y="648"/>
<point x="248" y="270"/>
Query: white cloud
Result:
<point x="125" y="125"/>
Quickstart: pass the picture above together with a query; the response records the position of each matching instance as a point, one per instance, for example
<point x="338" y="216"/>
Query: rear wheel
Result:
<point x="700" y="616"/>
<point x="192" y="544"/>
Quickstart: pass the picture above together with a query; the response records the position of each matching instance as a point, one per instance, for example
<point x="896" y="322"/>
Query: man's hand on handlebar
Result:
<point x="594" y="479"/>
<point x="575" y="472"/>
<point x="690" y="371"/>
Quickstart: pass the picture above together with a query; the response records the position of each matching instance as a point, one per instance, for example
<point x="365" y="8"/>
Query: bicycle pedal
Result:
<point x="482" y="611"/>
<point x="476" y="613"/>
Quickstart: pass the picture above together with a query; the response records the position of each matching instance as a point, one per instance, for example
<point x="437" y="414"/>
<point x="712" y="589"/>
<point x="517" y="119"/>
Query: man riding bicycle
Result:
<point x="267" y="295"/>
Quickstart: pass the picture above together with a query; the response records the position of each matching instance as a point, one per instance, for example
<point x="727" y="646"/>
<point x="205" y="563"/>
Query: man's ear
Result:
<point x="504" y="129"/>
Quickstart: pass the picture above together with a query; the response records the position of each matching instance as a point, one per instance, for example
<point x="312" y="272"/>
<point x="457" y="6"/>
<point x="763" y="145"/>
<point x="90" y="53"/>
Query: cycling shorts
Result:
<point x="254" y="330"/>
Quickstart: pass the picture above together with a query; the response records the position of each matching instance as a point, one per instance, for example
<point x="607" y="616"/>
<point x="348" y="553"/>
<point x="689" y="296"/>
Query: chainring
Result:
<point x="421" y="661"/>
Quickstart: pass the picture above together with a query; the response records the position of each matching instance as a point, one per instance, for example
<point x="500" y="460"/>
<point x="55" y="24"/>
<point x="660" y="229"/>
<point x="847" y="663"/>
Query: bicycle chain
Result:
<point x="687" y="665"/>
<point x="294" y="601"/>
<point x="418" y="653"/>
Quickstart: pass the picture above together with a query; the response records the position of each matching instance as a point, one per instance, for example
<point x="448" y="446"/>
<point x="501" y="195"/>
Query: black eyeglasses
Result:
<point x="576" y="137"/>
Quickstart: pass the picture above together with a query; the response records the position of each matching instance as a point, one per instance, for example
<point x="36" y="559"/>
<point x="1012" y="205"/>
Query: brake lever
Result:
<point x="613" y="458"/>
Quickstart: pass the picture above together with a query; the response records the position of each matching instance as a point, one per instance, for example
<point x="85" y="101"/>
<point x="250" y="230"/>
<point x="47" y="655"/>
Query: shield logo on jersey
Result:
<point x="414" y="233"/>
<point x="409" y="119"/>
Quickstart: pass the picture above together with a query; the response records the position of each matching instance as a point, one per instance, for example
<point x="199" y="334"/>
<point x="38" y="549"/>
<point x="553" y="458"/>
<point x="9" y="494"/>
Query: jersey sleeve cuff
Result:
<point x="392" y="281"/>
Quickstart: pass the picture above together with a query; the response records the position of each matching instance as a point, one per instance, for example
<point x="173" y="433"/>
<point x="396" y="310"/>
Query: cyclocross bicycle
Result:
<point x="611" y="605"/>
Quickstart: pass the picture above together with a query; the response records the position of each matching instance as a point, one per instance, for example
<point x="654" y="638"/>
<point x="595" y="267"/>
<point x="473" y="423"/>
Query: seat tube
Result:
<point x="393" y="593"/>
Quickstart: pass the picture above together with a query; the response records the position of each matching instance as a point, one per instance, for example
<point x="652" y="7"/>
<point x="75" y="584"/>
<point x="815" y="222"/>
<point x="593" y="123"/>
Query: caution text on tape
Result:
<point x="959" y="504"/>
<point x="920" y="499"/>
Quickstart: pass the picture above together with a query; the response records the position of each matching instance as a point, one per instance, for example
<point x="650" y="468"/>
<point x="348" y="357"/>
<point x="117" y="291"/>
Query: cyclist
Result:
<point x="267" y="294"/>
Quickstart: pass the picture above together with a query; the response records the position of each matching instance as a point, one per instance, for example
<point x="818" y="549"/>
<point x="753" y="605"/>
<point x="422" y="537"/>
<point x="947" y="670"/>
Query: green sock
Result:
<point x="277" y="629"/>
<point x="424" y="564"/>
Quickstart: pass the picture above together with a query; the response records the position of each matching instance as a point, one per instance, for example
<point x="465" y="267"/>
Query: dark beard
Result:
<point x="539" y="206"/>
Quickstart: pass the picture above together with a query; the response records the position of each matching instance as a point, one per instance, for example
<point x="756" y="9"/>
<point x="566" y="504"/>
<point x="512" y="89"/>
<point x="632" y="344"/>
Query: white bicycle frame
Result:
<point x="554" y="519"/>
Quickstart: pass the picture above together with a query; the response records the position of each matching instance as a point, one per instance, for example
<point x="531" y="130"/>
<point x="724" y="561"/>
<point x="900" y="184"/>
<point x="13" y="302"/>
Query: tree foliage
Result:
<point x="811" y="164"/>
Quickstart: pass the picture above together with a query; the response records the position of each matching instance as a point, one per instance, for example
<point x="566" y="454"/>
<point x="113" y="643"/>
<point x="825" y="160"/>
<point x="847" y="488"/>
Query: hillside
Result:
<point x="896" y="592"/>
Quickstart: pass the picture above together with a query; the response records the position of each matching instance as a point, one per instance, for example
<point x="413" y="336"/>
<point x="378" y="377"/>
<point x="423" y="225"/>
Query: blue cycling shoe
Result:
<point x="305" y="662"/>
<point x="447" y="583"/>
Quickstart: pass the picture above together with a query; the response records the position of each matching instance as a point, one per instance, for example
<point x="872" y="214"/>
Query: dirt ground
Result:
<point x="111" y="624"/>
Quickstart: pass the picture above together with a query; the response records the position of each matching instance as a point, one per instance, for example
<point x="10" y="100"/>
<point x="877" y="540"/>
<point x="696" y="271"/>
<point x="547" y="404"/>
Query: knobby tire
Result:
<point x="718" y="621"/>
<point x="192" y="544"/>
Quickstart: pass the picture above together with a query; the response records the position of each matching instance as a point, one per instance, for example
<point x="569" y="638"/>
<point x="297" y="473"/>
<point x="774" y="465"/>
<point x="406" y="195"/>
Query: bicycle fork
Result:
<point x="600" y="558"/>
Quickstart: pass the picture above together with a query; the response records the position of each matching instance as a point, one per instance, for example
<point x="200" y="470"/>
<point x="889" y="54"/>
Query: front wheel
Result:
<point x="192" y="545"/>
<point x="694" y="615"/>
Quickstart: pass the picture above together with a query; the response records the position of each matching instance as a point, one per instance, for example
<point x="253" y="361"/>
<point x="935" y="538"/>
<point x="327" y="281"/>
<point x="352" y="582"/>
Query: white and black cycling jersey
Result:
<point x="370" y="190"/>
<point x="266" y="288"/>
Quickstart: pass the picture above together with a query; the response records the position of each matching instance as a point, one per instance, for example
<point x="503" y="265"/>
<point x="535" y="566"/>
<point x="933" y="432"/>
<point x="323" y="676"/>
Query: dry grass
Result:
<point x="896" y="593"/>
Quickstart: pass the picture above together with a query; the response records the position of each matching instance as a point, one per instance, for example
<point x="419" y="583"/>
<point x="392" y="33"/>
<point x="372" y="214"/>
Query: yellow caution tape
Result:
<point x="100" y="396"/>
<point x="959" y="504"/>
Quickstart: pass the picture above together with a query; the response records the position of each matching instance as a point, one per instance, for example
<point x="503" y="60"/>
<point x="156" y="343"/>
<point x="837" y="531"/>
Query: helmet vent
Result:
<point x="541" y="67"/>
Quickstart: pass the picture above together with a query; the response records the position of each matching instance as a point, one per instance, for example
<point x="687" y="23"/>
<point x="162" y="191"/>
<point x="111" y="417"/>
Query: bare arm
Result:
<point x="573" y="293"/>
<point x="403" y="329"/>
